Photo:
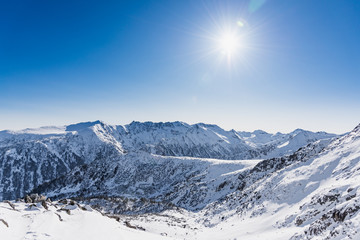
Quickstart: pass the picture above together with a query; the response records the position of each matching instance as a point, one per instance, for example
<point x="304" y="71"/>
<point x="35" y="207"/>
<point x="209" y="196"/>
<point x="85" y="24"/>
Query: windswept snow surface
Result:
<point x="37" y="223"/>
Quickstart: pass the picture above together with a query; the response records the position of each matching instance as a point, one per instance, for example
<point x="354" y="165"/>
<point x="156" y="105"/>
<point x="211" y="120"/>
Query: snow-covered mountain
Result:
<point x="31" y="157"/>
<point x="308" y="193"/>
<point x="314" y="198"/>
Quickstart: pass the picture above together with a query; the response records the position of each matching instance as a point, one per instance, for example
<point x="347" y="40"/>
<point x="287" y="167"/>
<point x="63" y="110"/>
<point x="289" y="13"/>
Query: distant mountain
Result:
<point x="31" y="157"/>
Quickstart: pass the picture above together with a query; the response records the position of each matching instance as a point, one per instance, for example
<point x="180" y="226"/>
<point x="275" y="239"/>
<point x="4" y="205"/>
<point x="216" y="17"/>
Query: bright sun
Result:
<point x="229" y="43"/>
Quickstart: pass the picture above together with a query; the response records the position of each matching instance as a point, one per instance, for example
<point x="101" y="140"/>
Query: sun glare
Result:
<point x="229" y="44"/>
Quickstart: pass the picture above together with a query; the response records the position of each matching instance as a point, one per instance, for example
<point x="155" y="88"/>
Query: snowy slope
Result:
<point x="143" y="183"/>
<point x="33" y="221"/>
<point x="185" y="182"/>
<point x="29" y="159"/>
<point x="315" y="198"/>
<point x="311" y="194"/>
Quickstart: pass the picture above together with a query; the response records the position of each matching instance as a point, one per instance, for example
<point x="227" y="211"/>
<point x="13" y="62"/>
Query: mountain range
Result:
<point x="31" y="157"/>
<point x="186" y="181"/>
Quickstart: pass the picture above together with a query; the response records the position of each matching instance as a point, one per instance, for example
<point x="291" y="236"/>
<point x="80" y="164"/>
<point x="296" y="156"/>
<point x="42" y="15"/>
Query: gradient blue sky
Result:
<point x="69" y="61"/>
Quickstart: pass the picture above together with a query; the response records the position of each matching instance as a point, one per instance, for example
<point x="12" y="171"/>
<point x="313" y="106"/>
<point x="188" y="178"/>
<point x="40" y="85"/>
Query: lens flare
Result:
<point x="240" y="23"/>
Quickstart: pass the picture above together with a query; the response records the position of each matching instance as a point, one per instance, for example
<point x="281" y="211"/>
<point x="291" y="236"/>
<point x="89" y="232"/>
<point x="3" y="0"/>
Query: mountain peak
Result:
<point x="82" y="125"/>
<point x="259" y="132"/>
<point x="298" y="130"/>
<point x="149" y="124"/>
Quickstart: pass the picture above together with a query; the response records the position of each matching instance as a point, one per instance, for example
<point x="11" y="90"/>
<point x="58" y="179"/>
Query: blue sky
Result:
<point x="298" y="64"/>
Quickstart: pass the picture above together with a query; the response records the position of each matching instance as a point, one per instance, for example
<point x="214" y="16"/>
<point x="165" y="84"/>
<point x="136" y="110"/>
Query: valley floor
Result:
<point x="19" y="220"/>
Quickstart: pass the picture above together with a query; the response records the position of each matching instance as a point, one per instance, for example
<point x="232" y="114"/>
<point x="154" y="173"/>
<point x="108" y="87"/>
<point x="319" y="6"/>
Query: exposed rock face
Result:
<point x="35" y="198"/>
